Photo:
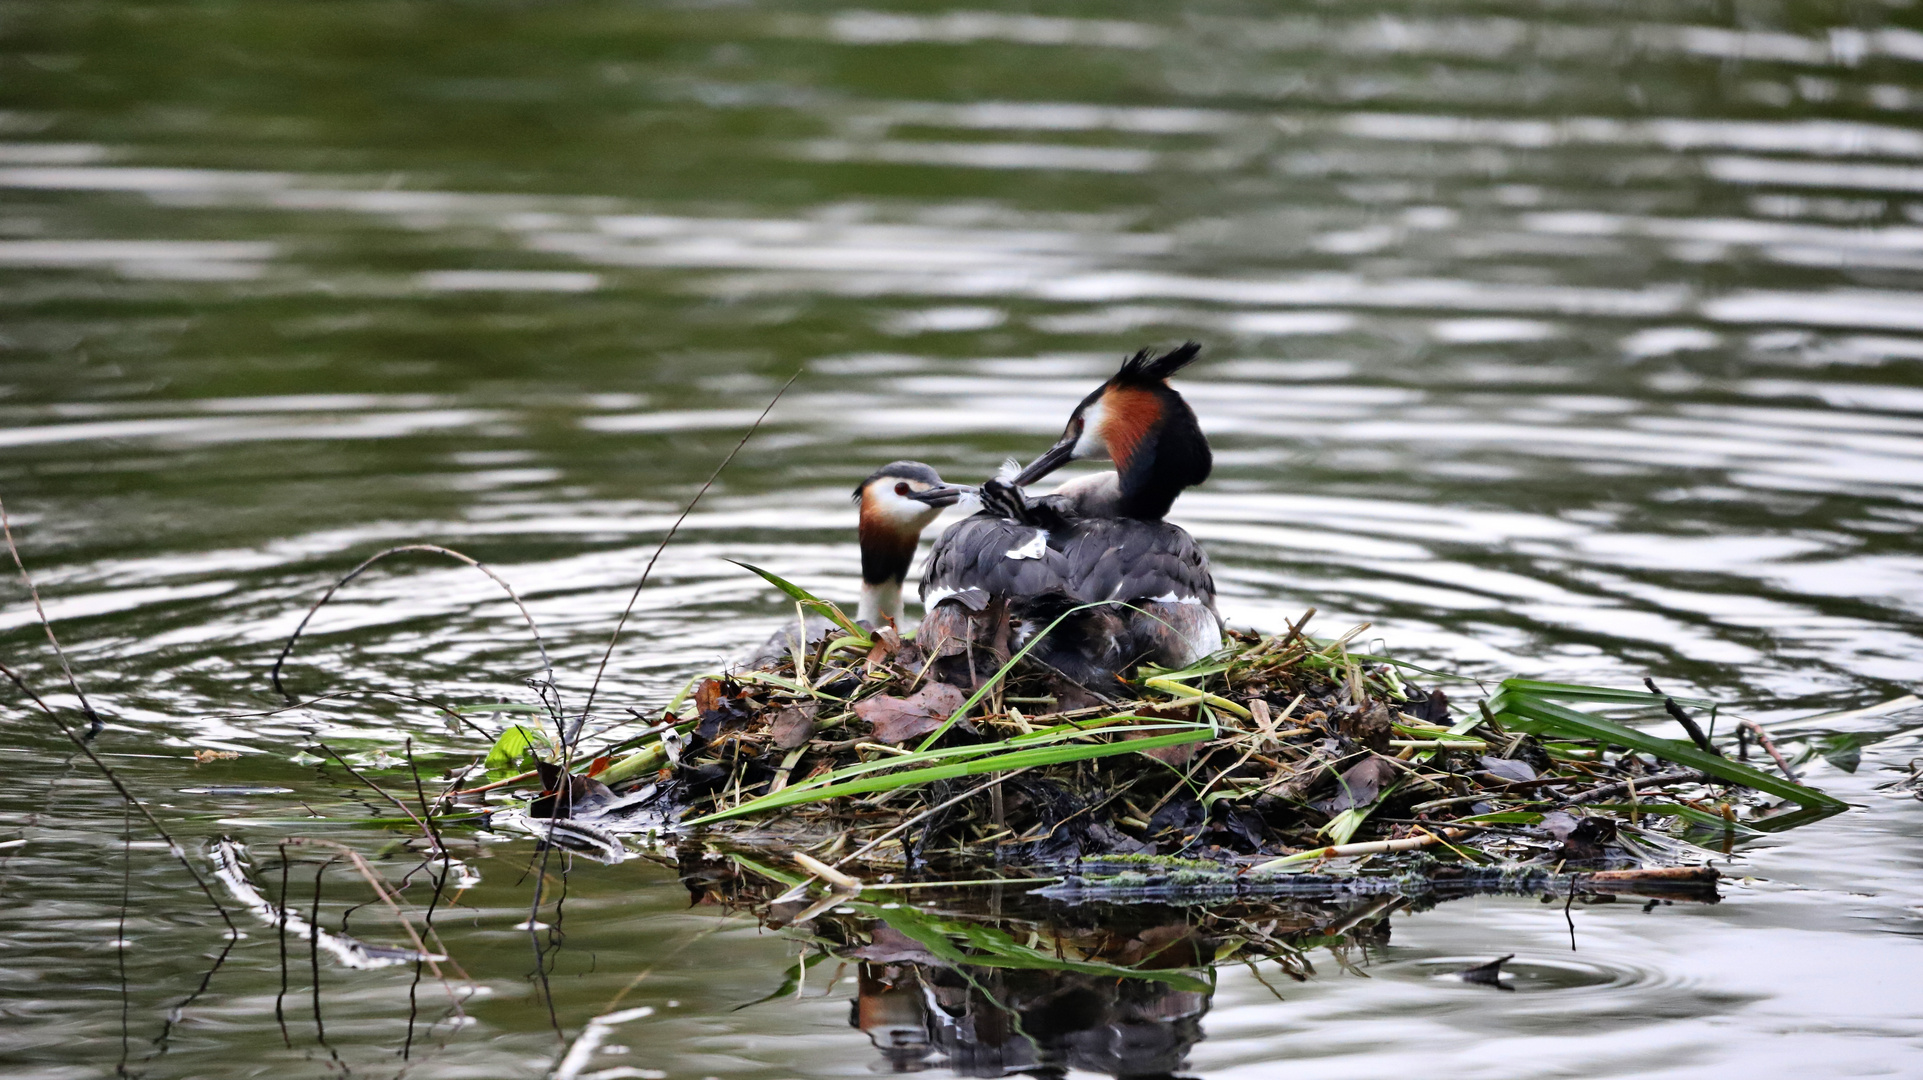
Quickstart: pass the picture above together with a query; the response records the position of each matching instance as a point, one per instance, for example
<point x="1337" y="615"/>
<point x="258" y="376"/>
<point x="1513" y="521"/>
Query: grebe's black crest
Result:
<point x="1145" y="366"/>
<point x="1139" y="422"/>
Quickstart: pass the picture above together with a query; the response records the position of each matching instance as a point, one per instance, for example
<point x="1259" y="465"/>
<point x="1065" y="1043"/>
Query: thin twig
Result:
<point x="432" y="838"/>
<point x="367" y="874"/>
<point x="1762" y="737"/>
<point x="622" y="622"/>
<point x="509" y="782"/>
<point x="884" y="837"/>
<point x="564" y="802"/>
<point x="378" y="556"/>
<point x="94" y="724"/>
<point x="1689" y="723"/>
<point x="1597" y="794"/>
<point x="280" y="1012"/>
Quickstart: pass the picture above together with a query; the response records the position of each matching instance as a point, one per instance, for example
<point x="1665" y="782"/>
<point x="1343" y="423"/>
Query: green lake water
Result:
<point x="1571" y="340"/>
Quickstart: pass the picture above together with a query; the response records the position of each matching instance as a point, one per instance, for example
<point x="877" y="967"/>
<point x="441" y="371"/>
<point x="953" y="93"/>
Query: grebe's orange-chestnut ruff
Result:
<point x="895" y="504"/>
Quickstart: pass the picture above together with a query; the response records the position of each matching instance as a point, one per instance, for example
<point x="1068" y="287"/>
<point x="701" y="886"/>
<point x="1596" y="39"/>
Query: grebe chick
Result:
<point x="896" y="503"/>
<point x="1099" y="540"/>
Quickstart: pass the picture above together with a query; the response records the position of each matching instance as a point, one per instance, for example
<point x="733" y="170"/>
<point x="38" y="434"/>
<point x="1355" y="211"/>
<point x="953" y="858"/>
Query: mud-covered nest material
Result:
<point x="1278" y="752"/>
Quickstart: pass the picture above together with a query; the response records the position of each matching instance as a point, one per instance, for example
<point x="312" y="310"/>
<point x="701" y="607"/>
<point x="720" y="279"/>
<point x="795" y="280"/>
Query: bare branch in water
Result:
<point x="569" y="735"/>
<point x="433" y="838"/>
<point x="669" y="538"/>
<point x="93" y="718"/>
<point x="288" y="648"/>
<point x="280" y="1011"/>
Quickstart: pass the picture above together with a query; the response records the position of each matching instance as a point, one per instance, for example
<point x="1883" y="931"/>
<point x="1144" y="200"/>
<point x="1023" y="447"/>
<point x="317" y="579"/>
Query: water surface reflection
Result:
<point x="1557" y="340"/>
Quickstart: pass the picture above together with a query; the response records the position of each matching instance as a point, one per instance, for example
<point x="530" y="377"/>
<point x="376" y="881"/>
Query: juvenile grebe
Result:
<point x="1100" y="539"/>
<point x="896" y="503"/>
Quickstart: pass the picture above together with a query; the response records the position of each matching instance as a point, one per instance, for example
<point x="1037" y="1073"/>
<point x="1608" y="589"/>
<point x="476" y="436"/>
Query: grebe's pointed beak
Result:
<point x="1056" y="456"/>
<point x="939" y="495"/>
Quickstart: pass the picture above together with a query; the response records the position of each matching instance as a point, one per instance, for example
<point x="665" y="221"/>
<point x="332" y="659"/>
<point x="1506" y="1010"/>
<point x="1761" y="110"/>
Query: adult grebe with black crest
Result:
<point x="1098" y="540"/>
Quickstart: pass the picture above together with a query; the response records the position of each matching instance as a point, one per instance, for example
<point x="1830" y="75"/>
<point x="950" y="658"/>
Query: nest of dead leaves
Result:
<point x="1293" y="745"/>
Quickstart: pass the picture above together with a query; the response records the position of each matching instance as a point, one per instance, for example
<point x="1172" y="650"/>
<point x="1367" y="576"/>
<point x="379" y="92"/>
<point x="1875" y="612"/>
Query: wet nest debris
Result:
<point x="851" y="752"/>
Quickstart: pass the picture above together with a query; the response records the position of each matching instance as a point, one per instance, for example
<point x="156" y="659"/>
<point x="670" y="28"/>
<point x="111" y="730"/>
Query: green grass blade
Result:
<point x="803" y="596"/>
<point x="1525" y="711"/>
<point x="1048" y="755"/>
<point x="998" y="950"/>
<point x="1043" y="737"/>
<point x="1001" y="672"/>
<point x="1580" y="692"/>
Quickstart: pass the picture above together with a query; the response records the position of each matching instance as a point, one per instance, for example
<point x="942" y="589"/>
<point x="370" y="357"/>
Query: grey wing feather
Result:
<point x="1125" y="559"/>
<point x="974" y="555"/>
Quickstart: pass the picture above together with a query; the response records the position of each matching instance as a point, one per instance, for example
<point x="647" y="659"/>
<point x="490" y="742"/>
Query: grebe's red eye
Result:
<point x="902" y="488"/>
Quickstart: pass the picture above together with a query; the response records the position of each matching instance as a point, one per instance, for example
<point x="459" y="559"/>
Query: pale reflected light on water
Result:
<point x="1558" y="340"/>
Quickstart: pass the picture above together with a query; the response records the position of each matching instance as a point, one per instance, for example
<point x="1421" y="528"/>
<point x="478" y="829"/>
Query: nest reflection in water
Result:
<point x="1006" y="979"/>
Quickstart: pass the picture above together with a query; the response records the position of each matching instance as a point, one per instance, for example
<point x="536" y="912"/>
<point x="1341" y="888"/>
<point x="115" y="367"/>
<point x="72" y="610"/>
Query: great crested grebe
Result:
<point x="1097" y="540"/>
<point x="896" y="503"/>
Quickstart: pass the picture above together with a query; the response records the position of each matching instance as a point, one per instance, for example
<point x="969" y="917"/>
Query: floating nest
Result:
<point x="852" y="754"/>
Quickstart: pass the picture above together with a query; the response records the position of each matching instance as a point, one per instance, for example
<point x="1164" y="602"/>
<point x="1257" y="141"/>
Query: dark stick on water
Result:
<point x="94" y="724"/>
<point x="564" y="798"/>
<point x="1689" y="724"/>
<point x="280" y="999"/>
<point x="313" y="954"/>
<point x="440" y="883"/>
<point x="162" y="1040"/>
<point x="120" y="932"/>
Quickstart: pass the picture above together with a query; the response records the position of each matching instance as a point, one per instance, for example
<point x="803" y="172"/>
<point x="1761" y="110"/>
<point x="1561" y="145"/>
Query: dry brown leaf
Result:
<point x="707" y="696"/>
<point x="887" y="644"/>
<point x="1361" y="783"/>
<point x="794" y="725"/>
<point x="1177" y="755"/>
<point x="897" y="720"/>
